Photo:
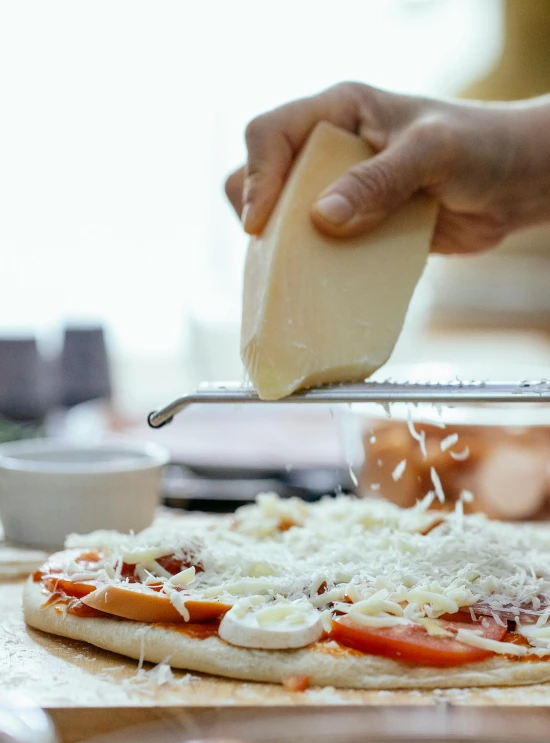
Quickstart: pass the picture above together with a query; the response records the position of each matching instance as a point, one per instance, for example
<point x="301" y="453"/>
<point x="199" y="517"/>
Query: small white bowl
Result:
<point x="51" y="488"/>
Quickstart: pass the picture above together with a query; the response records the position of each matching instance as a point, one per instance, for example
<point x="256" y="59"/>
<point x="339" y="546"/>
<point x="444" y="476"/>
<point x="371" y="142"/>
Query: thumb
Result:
<point x="370" y="191"/>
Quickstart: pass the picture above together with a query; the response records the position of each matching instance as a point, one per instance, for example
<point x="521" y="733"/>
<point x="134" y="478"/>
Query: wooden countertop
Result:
<point x="89" y="692"/>
<point x="317" y="724"/>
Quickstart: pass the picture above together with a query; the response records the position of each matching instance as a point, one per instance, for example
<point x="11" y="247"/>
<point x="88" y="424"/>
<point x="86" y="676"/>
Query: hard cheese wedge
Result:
<point x="318" y="310"/>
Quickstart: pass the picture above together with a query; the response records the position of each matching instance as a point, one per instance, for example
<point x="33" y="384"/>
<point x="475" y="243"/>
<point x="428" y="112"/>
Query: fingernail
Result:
<point x="246" y="189"/>
<point x="246" y="215"/>
<point x="335" y="208"/>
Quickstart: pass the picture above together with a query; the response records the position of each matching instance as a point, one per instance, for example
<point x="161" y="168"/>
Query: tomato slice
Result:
<point x="88" y="557"/>
<point x="462" y="616"/>
<point x="44" y="572"/>
<point x="412" y="643"/>
<point x="128" y="573"/>
<point x="169" y="562"/>
<point x="69" y="587"/>
<point x="79" y="609"/>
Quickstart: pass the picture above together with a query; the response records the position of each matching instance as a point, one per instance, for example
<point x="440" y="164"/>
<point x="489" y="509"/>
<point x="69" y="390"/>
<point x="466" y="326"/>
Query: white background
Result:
<point x="119" y="120"/>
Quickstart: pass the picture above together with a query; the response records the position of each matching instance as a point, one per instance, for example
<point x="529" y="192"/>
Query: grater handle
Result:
<point x="439" y="393"/>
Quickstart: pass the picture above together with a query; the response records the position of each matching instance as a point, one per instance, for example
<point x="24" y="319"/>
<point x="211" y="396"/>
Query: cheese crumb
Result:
<point x="420" y="437"/>
<point x="437" y="485"/>
<point x="448" y="441"/>
<point x="397" y="474"/>
<point x="476" y="640"/>
<point x="461" y="456"/>
<point x="183" y="578"/>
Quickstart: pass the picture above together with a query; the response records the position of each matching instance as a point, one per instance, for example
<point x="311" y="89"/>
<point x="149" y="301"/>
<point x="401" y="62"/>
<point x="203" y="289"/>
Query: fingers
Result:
<point x="234" y="189"/>
<point x="270" y="155"/>
<point x="370" y="191"/>
<point x="274" y="139"/>
<point x="458" y="234"/>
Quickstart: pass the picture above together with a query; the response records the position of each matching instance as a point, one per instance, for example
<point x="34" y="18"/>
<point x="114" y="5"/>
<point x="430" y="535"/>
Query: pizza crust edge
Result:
<point x="214" y="656"/>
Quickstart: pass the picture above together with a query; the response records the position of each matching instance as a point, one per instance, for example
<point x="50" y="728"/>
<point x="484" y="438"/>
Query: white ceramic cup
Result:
<point x="51" y="488"/>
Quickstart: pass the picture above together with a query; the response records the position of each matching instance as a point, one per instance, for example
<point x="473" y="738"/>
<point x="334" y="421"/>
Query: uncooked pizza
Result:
<point x="344" y="592"/>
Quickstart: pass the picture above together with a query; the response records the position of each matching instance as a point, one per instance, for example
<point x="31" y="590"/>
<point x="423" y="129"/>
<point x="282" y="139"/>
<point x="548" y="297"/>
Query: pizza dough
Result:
<point x="324" y="663"/>
<point x="401" y="598"/>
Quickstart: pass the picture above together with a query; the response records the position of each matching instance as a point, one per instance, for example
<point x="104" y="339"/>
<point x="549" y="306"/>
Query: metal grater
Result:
<point x="439" y="393"/>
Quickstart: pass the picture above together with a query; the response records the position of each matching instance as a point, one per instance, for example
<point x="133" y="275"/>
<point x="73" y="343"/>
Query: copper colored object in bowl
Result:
<point x="507" y="468"/>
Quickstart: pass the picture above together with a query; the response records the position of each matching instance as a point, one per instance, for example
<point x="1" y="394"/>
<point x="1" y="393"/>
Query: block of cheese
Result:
<point x="317" y="310"/>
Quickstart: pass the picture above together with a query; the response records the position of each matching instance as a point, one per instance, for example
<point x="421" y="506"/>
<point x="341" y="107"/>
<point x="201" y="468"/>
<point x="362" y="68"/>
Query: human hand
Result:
<point x="488" y="165"/>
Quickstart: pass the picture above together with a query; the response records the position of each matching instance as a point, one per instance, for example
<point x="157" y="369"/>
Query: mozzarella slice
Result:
<point x="278" y="627"/>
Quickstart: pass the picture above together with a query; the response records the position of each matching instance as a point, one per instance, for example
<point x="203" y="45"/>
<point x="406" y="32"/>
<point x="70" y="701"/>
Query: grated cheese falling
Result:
<point x="397" y="474"/>
<point x="466" y="496"/>
<point x="448" y="441"/>
<point x="427" y="500"/>
<point x="420" y="437"/>
<point x="459" y="514"/>
<point x="437" y="485"/>
<point x="461" y="456"/>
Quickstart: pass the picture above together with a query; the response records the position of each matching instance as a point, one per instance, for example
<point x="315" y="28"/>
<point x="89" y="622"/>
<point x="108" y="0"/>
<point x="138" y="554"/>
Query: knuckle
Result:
<point x="373" y="182"/>
<point x="346" y="87"/>
<point x="255" y="128"/>
<point x="435" y="136"/>
<point x="349" y="90"/>
<point x="233" y="185"/>
<point x="431" y="130"/>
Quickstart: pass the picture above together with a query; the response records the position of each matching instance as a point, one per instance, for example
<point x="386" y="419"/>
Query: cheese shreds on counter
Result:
<point x="318" y="310"/>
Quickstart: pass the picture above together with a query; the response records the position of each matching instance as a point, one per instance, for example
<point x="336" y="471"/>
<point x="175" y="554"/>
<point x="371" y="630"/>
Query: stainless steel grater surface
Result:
<point x="439" y="393"/>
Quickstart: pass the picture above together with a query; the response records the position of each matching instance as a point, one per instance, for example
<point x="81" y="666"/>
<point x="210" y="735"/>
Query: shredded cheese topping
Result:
<point x="377" y="563"/>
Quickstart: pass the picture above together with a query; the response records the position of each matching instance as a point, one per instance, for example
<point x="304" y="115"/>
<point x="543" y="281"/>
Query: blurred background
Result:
<point x="120" y="289"/>
<point x="122" y="261"/>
